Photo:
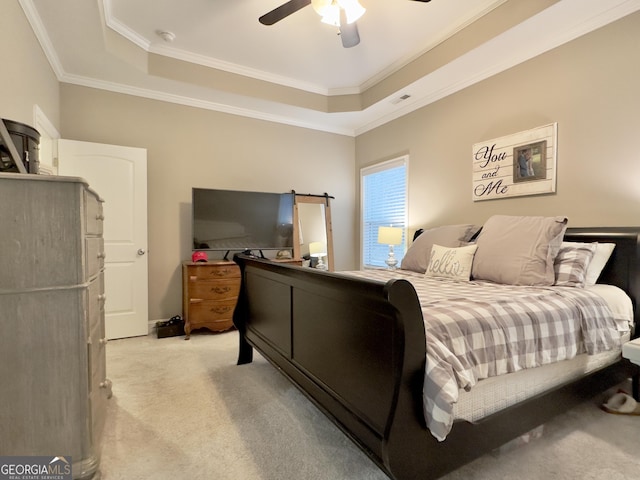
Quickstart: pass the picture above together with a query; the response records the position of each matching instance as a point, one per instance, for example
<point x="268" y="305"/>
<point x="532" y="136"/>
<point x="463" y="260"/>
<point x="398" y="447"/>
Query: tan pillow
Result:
<point x="452" y="263"/>
<point x="517" y="250"/>
<point x="417" y="256"/>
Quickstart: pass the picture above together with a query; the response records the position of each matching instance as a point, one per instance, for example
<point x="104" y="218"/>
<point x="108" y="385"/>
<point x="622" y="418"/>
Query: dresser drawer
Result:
<point x="97" y="359"/>
<point x="205" y="311"/>
<point x="215" y="289"/>
<point x="98" y="396"/>
<point x="210" y="272"/>
<point x="94" y="248"/>
<point x="95" y="307"/>
<point x="93" y="214"/>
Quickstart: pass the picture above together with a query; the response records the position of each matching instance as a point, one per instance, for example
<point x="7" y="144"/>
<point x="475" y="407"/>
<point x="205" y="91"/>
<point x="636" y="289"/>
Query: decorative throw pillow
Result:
<point x="417" y="256"/>
<point x="572" y="262"/>
<point x="517" y="250"/>
<point x="452" y="263"/>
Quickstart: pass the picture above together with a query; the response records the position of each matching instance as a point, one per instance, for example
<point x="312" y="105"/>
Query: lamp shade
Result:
<point x="390" y="235"/>
<point x="317" y="249"/>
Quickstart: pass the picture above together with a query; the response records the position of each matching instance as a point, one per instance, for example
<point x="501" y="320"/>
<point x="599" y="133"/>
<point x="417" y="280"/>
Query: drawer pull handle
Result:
<point x="103" y="341"/>
<point x="102" y="297"/>
<point x="102" y="255"/>
<point x="220" y="290"/>
<point x="99" y="217"/>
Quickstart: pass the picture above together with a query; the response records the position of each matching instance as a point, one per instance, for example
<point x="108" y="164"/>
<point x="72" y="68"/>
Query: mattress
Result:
<point x="479" y="329"/>
<point x="493" y="394"/>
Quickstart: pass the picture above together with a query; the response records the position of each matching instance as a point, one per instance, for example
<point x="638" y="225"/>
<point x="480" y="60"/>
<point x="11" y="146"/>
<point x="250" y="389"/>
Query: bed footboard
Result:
<point x="343" y="341"/>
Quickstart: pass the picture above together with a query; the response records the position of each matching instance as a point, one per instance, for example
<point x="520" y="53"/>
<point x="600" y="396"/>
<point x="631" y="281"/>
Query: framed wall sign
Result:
<point x="523" y="163"/>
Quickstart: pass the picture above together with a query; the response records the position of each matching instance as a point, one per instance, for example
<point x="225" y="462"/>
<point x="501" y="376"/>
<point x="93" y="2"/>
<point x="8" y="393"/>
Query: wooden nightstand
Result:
<point x="209" y="295"/>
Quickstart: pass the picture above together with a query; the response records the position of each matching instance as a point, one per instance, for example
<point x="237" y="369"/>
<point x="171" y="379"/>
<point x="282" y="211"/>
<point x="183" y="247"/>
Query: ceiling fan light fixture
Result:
<point x="329" y="10"/>
<point x="353" y="9"/>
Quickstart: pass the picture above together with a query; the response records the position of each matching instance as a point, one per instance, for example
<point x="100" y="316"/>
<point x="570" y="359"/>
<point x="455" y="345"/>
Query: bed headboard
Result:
<point x="623" y="268"/>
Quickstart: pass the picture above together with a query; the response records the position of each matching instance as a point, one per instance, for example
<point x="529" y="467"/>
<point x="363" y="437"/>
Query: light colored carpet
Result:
<point x="184" y="410"/>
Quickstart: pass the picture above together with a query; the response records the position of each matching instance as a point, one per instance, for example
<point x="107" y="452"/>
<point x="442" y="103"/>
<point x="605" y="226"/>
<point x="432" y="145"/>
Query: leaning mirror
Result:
<point x="313" y="238"/>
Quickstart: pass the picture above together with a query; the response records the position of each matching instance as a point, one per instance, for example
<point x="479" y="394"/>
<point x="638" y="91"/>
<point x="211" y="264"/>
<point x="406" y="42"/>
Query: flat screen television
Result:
<point x="232" y="220"/>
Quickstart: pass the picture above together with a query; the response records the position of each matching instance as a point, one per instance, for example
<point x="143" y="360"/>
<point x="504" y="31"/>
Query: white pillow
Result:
<point x="447" y="262"/>
<point x="598" y="261"/>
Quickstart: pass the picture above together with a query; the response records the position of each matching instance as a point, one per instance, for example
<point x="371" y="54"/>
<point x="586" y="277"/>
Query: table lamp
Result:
<point x="390" y="236"/>
<point x="318" y="250"/>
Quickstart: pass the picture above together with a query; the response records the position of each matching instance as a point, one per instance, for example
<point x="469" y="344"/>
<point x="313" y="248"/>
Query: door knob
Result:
<point x="141" y="251"/>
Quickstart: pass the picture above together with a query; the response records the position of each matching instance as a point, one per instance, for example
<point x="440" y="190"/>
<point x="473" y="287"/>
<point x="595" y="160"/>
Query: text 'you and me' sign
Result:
<point x="519" y="164"/>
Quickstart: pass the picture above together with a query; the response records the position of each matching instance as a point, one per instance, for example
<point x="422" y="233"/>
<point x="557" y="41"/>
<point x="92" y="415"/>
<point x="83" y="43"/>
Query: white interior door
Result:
<point x="119" y="175"/>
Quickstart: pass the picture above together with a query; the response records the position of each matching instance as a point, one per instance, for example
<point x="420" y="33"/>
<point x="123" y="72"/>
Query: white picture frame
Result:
<point x="522" y="163"/>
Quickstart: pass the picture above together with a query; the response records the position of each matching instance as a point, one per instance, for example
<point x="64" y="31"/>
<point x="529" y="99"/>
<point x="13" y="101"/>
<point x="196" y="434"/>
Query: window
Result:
<point x="383" y="190"/>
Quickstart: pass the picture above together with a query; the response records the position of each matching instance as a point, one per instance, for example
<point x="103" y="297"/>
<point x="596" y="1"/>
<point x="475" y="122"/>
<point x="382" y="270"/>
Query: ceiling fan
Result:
<point x="341" y="13"/>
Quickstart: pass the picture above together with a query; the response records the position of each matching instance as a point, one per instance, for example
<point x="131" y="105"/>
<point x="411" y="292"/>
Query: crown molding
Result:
<point x="41" y="34"/>
<point x="199" y="103"/>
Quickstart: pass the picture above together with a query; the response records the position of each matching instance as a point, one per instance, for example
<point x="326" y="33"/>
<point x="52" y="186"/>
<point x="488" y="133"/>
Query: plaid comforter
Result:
<point x="477" y="329"/>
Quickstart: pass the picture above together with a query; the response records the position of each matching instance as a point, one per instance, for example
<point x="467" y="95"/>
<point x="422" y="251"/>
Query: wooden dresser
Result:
<point x="209" y="295"/>
<point x="52" y="346"/>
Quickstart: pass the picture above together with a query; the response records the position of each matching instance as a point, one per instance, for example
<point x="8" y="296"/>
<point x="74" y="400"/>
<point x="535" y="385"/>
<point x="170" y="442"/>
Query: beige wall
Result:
<point x="27" y="78"/>
<point x="189" y="147"/>
<point x="589" y="87"/>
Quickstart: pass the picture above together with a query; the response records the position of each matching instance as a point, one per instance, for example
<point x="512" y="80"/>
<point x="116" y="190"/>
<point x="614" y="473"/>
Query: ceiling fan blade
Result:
<point x="283" y="11"/>
<point x="348" y="32"/>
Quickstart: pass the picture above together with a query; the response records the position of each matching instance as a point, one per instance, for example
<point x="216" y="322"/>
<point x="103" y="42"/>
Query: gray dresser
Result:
<point x="53" y="385"/>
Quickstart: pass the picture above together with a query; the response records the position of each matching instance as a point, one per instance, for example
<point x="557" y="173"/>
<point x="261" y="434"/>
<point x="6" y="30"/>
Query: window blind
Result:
<point x="384" y="203"/>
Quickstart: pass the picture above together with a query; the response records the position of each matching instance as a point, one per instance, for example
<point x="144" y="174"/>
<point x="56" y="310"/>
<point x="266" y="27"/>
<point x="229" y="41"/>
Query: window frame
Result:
<point x="401" y="161"/>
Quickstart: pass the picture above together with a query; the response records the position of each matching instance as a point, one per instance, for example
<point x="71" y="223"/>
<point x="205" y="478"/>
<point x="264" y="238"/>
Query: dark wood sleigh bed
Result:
<point x="356" y="348"/>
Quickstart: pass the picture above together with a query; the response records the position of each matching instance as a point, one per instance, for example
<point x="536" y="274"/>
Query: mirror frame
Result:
<point x="317" y="200"/>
